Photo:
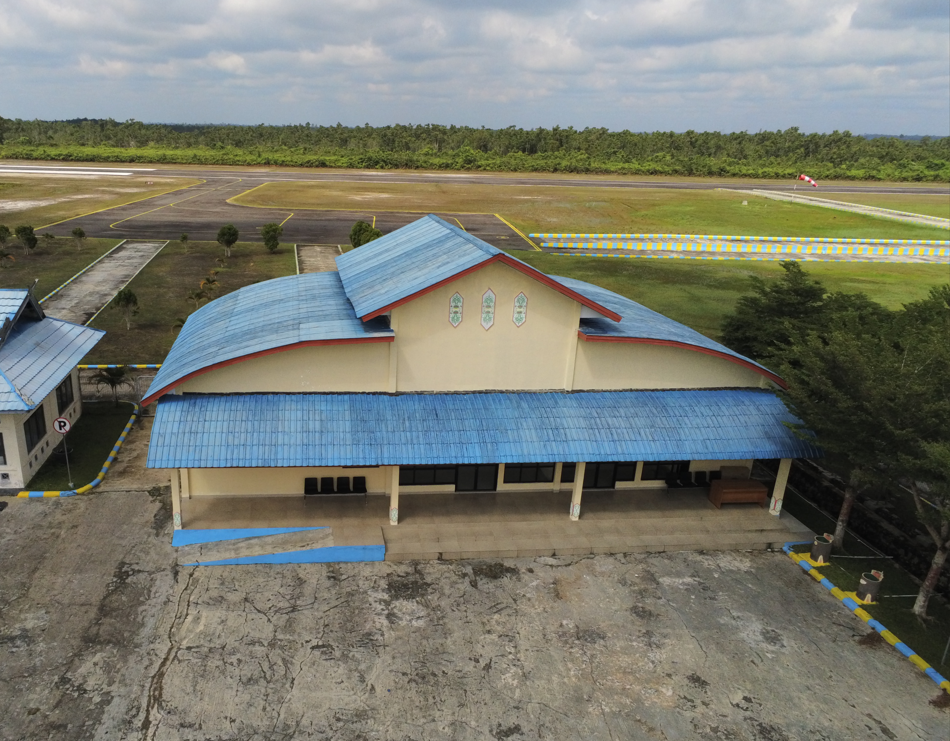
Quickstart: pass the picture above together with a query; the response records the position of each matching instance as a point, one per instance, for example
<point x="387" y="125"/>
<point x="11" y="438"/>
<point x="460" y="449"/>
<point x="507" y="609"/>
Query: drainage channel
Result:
<point x="84" y="297"/>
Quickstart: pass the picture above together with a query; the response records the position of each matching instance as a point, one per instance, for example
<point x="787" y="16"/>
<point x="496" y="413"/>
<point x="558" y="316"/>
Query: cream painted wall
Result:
<point x="435" y="356"/>
<point x="628" y="365"/>
<point x="358" y="367"/>
<point x="22" y="465"/>
<point x="287" y="482"/>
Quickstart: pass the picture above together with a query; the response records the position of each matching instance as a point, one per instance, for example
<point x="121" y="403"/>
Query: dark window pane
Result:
<point x="465" y="478"/>
<point x="3" y="452"/>
<point x="512" y="473"/>
<point x="486" y="478"/>
<point x="626" y="471"/>
<point x="590" y="475"/>
<point x="64" y="394"/>
<point x="605" y="476"/>
<point x="546" y="472"/>
<point x="567" y="473"/>
<point x="425" y="476"/>
<point x="445" y="475"/>
<point x="529" y="473"/>
<point x="35" y="428"/>
<point x="406" y="476"/>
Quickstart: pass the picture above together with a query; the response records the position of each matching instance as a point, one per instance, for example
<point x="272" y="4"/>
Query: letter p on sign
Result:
<point x="61" y="425"/>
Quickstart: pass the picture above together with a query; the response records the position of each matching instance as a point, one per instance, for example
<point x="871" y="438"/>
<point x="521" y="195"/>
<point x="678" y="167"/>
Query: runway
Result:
<point x="253" y="176"/>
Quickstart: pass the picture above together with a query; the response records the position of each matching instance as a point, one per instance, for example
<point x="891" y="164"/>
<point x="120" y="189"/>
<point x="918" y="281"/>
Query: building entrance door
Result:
<point x="477" y="478"/>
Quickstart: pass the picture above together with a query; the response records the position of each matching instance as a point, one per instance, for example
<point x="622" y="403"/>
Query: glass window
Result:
<point x="426" y="475"/>
<point x="567" y="473"/>
<point x="3" y="452"/>
<point x="659" y="470"/>
<point x="626" y="471"/>
<point x="529" y="473"/>
<point x="64" y="394"/>
<point x="35" y="428"/>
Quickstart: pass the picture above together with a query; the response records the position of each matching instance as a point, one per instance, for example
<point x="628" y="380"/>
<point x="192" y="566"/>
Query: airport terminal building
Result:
<point x="434" y="362"/>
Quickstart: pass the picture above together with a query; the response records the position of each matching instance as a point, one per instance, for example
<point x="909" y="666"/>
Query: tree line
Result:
<point x="767" y="154"/>
<point x="870" y="384"/>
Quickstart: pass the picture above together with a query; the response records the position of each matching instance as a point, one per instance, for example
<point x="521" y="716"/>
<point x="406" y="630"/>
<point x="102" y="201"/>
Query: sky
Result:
<point x="867" y="66"/>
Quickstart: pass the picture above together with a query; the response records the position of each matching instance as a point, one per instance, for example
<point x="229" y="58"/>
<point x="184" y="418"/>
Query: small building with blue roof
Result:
<point x="432" y="361"/>
<point x="39" y="382"/>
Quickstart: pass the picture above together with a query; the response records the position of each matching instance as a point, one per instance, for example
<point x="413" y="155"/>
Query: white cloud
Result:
<point x="865" y="65"/>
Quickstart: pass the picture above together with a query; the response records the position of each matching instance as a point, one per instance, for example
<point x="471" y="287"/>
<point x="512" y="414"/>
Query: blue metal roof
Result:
<point x="407" y="261"/>
<point x="264" y="316"/>
<point x="274" y="430"/>
<point x="37" y="356"/>
<point x="11" y="299"/>
<point x="640" y="322"/>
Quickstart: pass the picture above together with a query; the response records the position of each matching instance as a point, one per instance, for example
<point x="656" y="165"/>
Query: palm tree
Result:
<point x="211" y="282"/>
<point x="113" y="378"/>
<point x="179" y="323"/>
<point x="197" y="297"/>
<point x="6" y="258"/>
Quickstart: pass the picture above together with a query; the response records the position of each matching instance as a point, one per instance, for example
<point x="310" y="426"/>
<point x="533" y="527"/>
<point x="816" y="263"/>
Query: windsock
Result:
<point x="808" y="180"/>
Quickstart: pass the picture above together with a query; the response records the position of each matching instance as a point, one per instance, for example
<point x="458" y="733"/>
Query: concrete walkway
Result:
<point x="80" y="300"/>
<point x="884" y="213"/>
<point x="509" y="525"/>
<point x="317" y="258"/>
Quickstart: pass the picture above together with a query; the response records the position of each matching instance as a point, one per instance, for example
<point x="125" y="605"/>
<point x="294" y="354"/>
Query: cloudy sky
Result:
<point x="870" y="66"/>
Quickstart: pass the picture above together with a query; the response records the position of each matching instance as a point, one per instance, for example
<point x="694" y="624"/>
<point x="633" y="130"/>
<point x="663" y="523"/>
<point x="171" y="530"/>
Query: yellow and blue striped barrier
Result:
<point x="850" y="603"/>
<point x="133" y="365"/>
<point x="785" y="249"/>
<point x="102" y="472"/>
<point x="697" y="256"/>
<point x="101" y="257"/>
<point x="742" y="238"/>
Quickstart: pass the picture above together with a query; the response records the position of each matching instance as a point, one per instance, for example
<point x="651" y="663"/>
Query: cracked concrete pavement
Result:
<point x="102" y="636"/>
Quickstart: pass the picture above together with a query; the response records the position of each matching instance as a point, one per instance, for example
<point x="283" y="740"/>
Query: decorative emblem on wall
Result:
<point x="521" y="310"/>
<point x="394" y="515"/>
<point x="575" y="511"/>
<point x="488" y="308"/>
<point x="177" y="519"/>
<point x="455" y="310"/>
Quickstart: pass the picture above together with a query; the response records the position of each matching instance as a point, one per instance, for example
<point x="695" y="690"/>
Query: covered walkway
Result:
<point x="510" y="525"/>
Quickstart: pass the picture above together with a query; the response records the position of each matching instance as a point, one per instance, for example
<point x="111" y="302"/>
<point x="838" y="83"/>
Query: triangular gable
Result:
<point x="17" y="303"/>
<point x="421" y="257"/>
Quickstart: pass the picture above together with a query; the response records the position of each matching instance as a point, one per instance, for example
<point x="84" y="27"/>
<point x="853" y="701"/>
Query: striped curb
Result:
<point x="745" y="238"/>
<point x="700" y="256"/>
<point x="101" y="257"/>
<point x="133" y="365"/>
<point x="791" y="249"/>
<point x="856" y="608"/>
<point x="102" y="472"/>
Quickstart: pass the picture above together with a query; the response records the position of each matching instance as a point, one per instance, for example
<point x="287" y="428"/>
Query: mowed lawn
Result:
<point x="42" y="201"/>
<point x="915" y="203"/>
<point x="162" y="290"/>
<point x="589" y="209"/>
<point x="51" y="265"/>
<point x="700" y="293"/>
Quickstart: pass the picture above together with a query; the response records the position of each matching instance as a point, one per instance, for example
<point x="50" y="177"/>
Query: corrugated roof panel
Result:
<point x="37" y="356"/>
<point x="264" y="316"/>
<point x="266" y="430"/>
<point x="11" y="299"/>
<point x="407" y="261"/>
<point x="640" y="322"/>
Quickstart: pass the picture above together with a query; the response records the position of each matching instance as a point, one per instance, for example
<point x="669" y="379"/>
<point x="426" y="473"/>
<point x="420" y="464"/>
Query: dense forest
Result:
<point x="767" y="154"/>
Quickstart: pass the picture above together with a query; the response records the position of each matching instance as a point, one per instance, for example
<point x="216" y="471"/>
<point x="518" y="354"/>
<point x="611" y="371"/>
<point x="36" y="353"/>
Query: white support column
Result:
<point x="578" y="490"/>
<point x="501" y="477"/>
<point x="394" y="496"/>
<point x="176" y="498"/>
<point x="778" y="491"/>
<point x="185" y="483"/>
<point x="558" y="470"/>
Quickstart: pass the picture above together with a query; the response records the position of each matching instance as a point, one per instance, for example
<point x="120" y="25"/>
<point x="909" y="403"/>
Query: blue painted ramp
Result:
<point x="196" y="537"/>
<point x="330" y="554"/>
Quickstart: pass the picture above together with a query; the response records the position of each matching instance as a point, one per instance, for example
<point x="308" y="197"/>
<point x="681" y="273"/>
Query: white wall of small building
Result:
<point x="22" y="464"/>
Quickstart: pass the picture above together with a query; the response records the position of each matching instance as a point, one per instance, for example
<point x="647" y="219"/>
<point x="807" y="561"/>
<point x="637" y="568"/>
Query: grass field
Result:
<point x="90" y="443"/>
<point x="51" y="266"/>
<point x="546" y="209"/>
<point x="917" y="204"/>
<point x="699" y="293"/>
<point x="162" y="289"/>
<point x="44" y="201"/>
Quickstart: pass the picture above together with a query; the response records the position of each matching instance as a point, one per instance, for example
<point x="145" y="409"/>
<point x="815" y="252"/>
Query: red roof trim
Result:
<point x="686" y="346"/>
<point x="512" y="263"/>
<point x="283" y="348"/>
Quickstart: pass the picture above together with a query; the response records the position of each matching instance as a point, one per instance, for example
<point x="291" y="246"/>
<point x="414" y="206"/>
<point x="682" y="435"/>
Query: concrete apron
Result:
<point x="253" y="530"/>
